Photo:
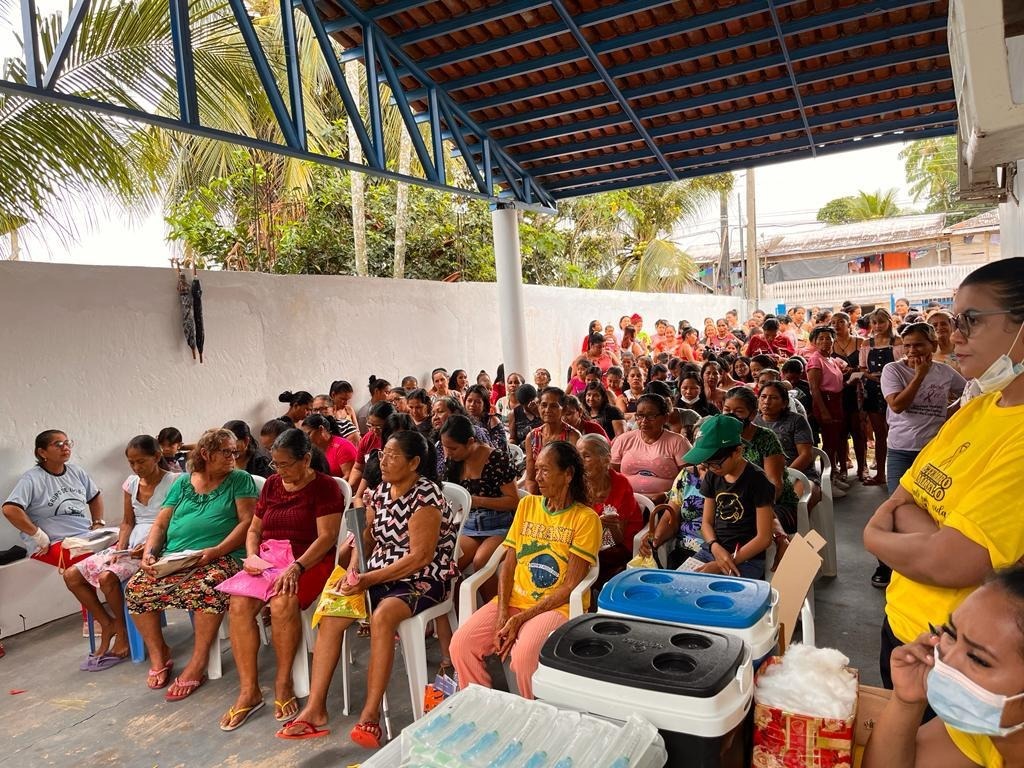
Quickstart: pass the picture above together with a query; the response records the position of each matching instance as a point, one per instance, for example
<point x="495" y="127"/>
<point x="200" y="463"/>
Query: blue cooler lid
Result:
<point x="643" y="655"/>
<point x="685" y="597"/>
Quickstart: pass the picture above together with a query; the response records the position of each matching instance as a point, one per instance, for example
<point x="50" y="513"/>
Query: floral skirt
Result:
<point x="92" y="567"/>
<point x="190" y="590"/>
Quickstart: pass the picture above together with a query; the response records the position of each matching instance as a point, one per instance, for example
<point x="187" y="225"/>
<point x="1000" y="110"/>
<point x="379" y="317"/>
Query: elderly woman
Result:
<point x="954" y="518"/>
<point x="611" y="496"/>
<point x="970" y="672"/>
<point x="411" y="541"/>
<point x="553" y="428"/>
<point x="651" y="456"/>
<point x="478" y="408"/>
<point x="535" y="579"/>
<point x="304" y="508"/>
<point x="53" y="500"/>
<point x="324" y="433"/>
<point x="208" y="510"/>
<point x="251" y="455"/>
<point x="144" y="494"/>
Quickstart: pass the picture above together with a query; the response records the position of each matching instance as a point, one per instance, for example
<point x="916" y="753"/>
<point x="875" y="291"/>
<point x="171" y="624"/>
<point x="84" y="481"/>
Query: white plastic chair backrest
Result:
<point x="825" y="473"/>
<point x="523" y="493"/>
<point x="461" y="503"/>
<point x="517" y="454"/>
<point x="798" y="478"/>
<point x="260" y="482"/>
<point x="346" y="491"/>
<point x="646" y="505"/>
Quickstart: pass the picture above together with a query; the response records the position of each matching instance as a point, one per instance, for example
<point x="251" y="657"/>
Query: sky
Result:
<point x="788" y="198"/>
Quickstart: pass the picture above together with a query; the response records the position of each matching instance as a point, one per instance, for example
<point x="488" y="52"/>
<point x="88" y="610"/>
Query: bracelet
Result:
<point x="302" y="568"/>
<point x="712" y="543"/>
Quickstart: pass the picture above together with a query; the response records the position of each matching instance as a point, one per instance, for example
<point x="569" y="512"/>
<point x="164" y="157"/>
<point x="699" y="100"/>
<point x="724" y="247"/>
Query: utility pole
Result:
<point x="723" y="281"/>
<point x="752" y="271"/>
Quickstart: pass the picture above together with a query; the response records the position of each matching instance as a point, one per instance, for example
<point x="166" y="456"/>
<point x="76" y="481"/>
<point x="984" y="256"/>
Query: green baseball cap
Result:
<point x="716" y="433"/>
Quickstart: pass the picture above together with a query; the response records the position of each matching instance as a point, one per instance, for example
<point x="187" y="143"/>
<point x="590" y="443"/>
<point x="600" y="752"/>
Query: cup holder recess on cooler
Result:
<point x="726" y="586"/>
<point x="656" y="578"/>
<point x="610" y="628"/>
<point x="642" y="594"/>
<point x="591" y="648"/>
<point x="691" y="642"/>
<point x="715" y="602"/>
<point x="674" y="663"/>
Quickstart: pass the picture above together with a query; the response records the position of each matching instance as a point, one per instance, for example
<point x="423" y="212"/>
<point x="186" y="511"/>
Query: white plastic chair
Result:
<point x="797" y="477"/>
<point x="412" y="631"/>
<point x="663" y="551"/>
<point x="823" y="517"/>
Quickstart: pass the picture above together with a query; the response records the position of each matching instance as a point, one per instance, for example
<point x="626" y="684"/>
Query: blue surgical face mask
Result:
<point x="963" y="704"/>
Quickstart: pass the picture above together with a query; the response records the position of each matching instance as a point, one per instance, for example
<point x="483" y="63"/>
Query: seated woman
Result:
<point x="208" y="509"/>
<point x="490" y="478"/>
<point x="508" y="402"/>
<point x="970" y="672"/>
<point x="541" y="378"/>
<point x="553" y="428"/>
<point x="379" y="390"/>
<point x="525" y="417"/>
<point x="321" y="404"/>
<point x="298" y="406"/>
<point x="794" y="435"/>
<point x="634" y="388"/>
<point x="603" y="412"/>
<point x="419" y="409"/>
<point x="738" y="498"/>
<point x="692" y="397"/>
<point x="650" y="457"/>
<point x="53" y="500"/>
<point x="144" y="493"/>
<point x="711" y="377"/>
<point x="369" y="445"/>
<point x="303" y="507"/>
<point x="439" y="377"/>
<point x="399" y="398"/>
<point x="344" y="413"/>
<point x="611" y="496"/>
<point x="546" y="563"/>
<point x="682" y="519"/>
<point x="324" y="433"/>
<point x="270" y="431"/>
<point x="575" y="415"/>
<point x="457" y="383"/>
<point x="411" y="541"/>
<point x="251" y="456"/>
<point x="478" y="408"/>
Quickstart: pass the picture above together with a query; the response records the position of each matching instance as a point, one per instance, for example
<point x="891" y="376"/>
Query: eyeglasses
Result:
<point x="62" y="444"/>
<point x="965" y="321"/>
<point x="715" y="464"/>
<point x="647" y="416"/>
<point x="229" y="454"/>
<point x="276" y="465"/>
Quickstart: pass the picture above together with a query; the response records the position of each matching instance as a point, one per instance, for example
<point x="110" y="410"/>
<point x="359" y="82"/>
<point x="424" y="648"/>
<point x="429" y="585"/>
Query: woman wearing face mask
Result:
<point x="970" y="672"/>
<point x="954" y="517"/>
<point x="691" y="395"/>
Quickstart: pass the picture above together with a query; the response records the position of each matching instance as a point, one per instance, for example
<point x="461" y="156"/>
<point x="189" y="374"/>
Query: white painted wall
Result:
<point x="1011" y="218"/>
<point x="98" y="351"/>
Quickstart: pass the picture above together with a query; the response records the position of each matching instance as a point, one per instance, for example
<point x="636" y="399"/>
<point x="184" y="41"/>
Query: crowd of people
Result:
<point x="695" y="426"/>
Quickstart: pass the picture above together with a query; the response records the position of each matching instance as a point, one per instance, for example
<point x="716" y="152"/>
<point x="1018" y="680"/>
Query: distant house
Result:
<point x="975" y="240"/>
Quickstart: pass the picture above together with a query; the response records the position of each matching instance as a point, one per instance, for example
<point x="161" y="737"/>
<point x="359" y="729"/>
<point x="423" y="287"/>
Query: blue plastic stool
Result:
<point x="135" y="642"/>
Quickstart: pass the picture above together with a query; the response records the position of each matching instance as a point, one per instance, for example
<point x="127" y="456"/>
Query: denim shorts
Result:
<point x="487" y="522"/>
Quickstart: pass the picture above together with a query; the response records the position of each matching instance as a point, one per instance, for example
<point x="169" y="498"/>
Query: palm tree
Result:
<point x="648" y="216"/>
<point x="931" y="168"/>
<point x="873" y="205"/>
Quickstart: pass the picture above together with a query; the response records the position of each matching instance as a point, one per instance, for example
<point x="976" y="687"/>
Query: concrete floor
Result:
<point x="65" y="716"/>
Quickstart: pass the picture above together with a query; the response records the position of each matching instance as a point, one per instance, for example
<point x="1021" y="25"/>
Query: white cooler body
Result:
<point x="709" y="717"/>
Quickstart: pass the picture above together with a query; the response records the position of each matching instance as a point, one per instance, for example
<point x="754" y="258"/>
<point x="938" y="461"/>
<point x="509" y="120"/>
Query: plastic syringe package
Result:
<point x="481" y="728"/>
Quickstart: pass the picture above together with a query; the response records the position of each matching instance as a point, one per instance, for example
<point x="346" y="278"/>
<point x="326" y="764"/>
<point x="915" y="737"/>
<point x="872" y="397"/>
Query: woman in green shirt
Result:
<point x="207" y="510"/>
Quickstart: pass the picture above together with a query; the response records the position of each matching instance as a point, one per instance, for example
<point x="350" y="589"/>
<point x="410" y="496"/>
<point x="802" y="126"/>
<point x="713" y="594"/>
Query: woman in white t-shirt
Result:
<point x="144" y="493"/>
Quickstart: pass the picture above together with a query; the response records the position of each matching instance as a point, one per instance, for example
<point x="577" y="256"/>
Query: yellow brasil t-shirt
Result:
<point x="542" y="541"/>
<point x="967" y="478"/>
<point x="978" y="749"/>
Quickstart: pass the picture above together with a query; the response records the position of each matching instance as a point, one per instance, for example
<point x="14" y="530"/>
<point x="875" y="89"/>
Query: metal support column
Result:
<point x="509" y="267"/>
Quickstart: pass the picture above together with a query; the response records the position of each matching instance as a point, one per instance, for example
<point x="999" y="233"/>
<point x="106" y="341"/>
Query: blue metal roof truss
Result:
<point x="529" y="129"/>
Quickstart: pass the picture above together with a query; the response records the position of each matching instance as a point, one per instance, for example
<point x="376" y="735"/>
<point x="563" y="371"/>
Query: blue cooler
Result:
<point x="695" y="686"/>
<point x="743" y="608"/>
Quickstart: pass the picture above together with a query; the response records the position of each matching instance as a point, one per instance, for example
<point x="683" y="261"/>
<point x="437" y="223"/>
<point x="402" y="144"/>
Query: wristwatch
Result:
<point x="98" y="523"/>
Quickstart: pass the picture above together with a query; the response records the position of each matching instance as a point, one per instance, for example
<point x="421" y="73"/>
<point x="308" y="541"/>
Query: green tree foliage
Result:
<point x="836" y="211"/>
<point x="931" y="168"/>
<point x="874" y="205"/>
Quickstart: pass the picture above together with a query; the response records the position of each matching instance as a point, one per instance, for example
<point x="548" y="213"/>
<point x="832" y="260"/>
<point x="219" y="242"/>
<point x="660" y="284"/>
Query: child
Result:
<point x="739" y="501"/>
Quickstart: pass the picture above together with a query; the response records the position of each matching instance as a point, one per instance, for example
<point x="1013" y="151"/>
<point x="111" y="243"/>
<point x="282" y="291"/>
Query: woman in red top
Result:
<point x="611" y="496"/>
<point x="324" y="432"/>
<point x="303" y="507"/>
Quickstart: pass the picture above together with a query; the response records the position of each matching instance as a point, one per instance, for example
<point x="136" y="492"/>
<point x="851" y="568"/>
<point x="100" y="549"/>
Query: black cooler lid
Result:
<point x="641" y="654"/>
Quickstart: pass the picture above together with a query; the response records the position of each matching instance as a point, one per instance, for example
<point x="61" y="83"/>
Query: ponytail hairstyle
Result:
<point x="339" y="386"/>
<point x="150" y="446"/>
<point x="378" y="385"/>
<point x="323" y="421"/>
<point x="301" y="397"/>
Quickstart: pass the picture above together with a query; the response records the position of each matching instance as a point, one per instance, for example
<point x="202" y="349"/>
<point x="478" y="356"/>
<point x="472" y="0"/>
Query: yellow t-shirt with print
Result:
<point x="967" y="478"/>
<point x="542" y="541"/>
<point x="978" y="749"/>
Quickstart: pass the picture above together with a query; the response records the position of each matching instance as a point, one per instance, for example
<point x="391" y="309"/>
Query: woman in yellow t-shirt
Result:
<point x="970" y="671"/>
<point x="555" y="539"/>
<point x="955" y="518"/>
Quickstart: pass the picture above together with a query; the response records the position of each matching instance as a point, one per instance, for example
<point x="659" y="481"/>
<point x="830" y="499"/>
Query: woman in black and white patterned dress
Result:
<point x="411" y="541"/>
